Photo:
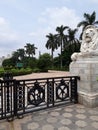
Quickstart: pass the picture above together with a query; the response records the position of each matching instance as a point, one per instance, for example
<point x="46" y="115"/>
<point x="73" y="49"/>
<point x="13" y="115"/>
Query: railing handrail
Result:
<point x="59" y="77"/>
<point x="20" y="96"/>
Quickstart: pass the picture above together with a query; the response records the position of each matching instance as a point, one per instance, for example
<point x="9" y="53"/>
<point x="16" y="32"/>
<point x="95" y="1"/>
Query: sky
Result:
<point x="29" y="21"/>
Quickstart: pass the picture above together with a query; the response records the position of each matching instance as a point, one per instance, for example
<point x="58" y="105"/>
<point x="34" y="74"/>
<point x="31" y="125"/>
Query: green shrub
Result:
<point x="44" y="62"/>
<point x="36" y="70"/>
<point x="22" y="71"/>
<point x="1" y="72"/>
<point x="16" y="72"/>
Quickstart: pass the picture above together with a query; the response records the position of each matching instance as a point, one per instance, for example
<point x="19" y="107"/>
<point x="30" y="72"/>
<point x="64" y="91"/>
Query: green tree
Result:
<point x="44" y="62"/>
<point x="57" y="63"/>
<point x="89" y="20"/>
<point x="14" y="58"/>
<point x="72" y="40"/>
<point x="15" y="55"/>
<point x="21" y="53"/>
<point x="18" y="56"/>
<point x="73" y="45"/>
<point x="7" y="63"/>
<point x="30" y="49"/>
<point x="51" y="44"/>
<point x="29" y="62"/>
<point x="11" y="61"/>
<point x="61" y="38"/>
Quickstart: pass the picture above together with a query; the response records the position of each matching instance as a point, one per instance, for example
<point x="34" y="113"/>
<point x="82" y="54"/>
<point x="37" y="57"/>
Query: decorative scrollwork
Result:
<point x="62" y="91"/>
<point x="20" y="96"/>
<point x="36" y="95"/>
<point x="50" y="94"/>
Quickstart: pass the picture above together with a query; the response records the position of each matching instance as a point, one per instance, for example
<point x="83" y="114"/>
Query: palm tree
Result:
<point x="73" y="45"/>
<point x="72" y="40"/>
<point x="61" y="38"/>
<point x="51" y="43"/>
<point x="15" y="55"/>
<point x="21" y="53"/>
<point x="89" y="20"/>
<point x="30" y="49"/>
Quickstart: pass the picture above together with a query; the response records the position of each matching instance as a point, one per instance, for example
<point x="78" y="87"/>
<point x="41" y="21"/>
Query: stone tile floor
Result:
<point x="71" y="117"/>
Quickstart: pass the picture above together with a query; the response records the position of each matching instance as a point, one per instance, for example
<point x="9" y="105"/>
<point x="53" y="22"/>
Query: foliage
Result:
<point x="89" y="20"/>
<point x="44" y="62"/>
<point x="51" y="43"/>
<point x="65" y="39"/>
<point x="21" y="54"/>
<point x="30" y="49"/>
<point x="61" y="38"/>
<point x="57" y="63"/>
<point x="30" y="62"/>
<point x="66" y="55"/>
<point x="16" y="72"/>
<point x="36" y="70"/>
<point x="7" y="62"/>
<point x="22" y="71"/>
<point x="68" y="43"/>
<point x="1" y="72"/>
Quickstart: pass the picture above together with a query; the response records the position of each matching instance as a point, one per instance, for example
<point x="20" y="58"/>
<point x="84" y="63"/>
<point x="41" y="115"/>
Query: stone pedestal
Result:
<point x="87" y="69"/>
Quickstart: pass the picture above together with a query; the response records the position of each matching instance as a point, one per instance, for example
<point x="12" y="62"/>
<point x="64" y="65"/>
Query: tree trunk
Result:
<point x="52" y="57"/>
<point x="61" y="55"/>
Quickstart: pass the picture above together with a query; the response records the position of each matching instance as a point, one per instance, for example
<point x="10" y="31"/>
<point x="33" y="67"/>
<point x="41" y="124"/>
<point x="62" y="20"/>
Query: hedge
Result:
<point x="16" y="72"/>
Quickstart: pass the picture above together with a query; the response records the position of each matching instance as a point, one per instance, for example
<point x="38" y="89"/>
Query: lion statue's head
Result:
<point x="89" y="39"/>
<point x="89" y="45"/>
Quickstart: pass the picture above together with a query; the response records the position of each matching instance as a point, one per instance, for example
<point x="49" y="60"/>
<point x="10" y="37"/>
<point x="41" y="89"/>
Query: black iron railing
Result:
<point x="18" y="97"/>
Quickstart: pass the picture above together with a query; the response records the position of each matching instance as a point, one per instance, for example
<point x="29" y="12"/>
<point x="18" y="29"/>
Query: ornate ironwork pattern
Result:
<point x="6" y="99"/>
<point x="50" y="93"/>
<point x="1" y="100"/>
<point x="18" y="97"/>
<point x="0" y="97"/>
<point x="62" y="90"/>
<point x="74" y="95"/>
<point x="36" y="95"/>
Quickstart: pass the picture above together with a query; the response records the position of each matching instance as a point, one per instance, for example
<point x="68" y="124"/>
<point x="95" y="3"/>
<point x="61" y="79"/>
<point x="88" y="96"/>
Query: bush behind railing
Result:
<point x="16" y="71"/>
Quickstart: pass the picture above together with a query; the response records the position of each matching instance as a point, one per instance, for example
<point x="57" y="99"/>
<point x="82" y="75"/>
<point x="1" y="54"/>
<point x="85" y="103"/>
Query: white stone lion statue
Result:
<point x="89" y="45"/>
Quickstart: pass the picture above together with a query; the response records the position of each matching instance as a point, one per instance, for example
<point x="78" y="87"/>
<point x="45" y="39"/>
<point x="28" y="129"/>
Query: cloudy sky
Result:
<point x="29" y="21"/>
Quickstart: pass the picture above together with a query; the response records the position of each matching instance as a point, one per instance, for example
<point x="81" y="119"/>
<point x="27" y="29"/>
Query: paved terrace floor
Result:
<point x="70" y="117"/>
<point x="44" y="75"/>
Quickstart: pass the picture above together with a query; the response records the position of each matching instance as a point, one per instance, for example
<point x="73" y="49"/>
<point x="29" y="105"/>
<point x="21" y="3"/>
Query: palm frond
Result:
<point x="87" y="16"/>
<point x="82" y="23"/>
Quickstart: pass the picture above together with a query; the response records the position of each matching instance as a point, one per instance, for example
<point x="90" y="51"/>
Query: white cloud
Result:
<point x="5" y="30"/>
<point x="33" y="34"/>
<point x="2" y="21"/>
<point x="59" y="16"/>
<point x="53" y="17"/>
<point x="49" y="20"/>
<point x="8" y="1"/>
<point x="8" y="38"/>
<point x="94" y="1"/>
<point x="3" y="25"/>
